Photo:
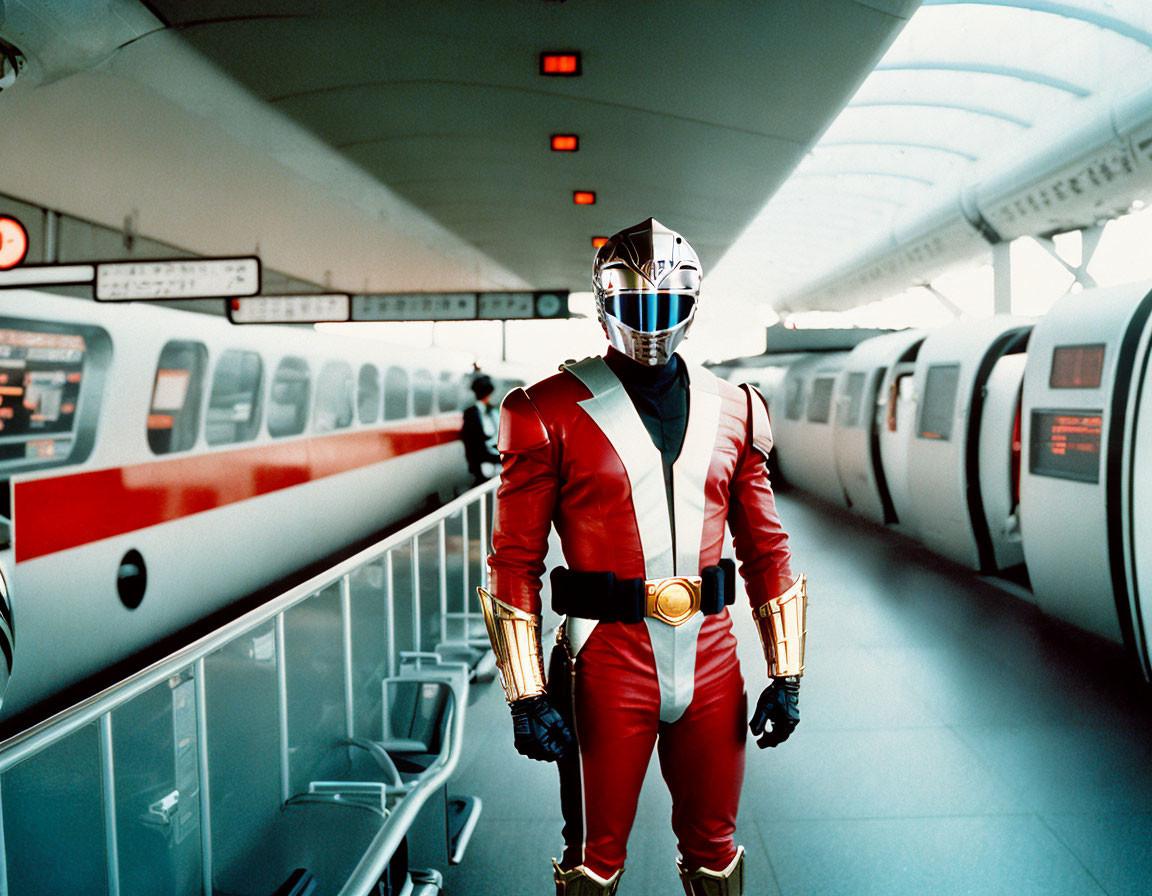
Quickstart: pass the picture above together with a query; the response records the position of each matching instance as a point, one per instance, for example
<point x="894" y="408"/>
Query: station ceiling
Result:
<point x="429" y="112"/>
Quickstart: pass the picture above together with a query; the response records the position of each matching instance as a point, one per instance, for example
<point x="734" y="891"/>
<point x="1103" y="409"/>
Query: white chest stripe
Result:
<point x="690" y="472"/>
<point x="613" y="412"/>
<point x="673" y="647"/>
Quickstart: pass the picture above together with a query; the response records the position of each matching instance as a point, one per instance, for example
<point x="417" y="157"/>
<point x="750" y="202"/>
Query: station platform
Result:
<point x="953" y="741"/>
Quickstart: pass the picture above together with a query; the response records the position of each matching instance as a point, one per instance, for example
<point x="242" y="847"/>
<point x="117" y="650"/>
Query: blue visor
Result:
<point x="650" y="312"/>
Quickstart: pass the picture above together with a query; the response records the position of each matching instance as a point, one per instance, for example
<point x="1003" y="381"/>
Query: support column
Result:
<point x="1089" y="242"/>
<point x="944" y="300"/>
<point x="1002" y="277"/>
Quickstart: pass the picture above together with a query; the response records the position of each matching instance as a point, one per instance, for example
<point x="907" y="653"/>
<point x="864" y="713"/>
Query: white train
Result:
<point x="157" y="465"/>
<point x="1015" y="447"/>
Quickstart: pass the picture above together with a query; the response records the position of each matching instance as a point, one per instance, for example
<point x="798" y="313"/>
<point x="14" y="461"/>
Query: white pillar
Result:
<point x="1002" y="277"/>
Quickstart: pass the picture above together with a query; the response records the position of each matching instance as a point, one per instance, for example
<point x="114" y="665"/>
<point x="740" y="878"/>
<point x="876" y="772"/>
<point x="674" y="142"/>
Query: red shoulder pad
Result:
<point x="758" y="423"/>
<point x="521" y="426"/>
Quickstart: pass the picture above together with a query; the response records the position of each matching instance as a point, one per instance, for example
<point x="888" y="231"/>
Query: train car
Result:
<point x="1017" y="448"/>
<point x="158" y="465"/>
<point x="1086" y="492"/>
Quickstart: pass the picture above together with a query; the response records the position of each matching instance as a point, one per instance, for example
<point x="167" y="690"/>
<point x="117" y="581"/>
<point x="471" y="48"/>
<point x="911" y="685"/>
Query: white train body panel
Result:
<point x="803" y="432"/>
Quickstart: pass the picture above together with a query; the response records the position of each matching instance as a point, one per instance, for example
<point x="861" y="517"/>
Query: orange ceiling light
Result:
<point x="565" y="143"/>
<point x="584" y="197"/>
<point x="560" y="65"/>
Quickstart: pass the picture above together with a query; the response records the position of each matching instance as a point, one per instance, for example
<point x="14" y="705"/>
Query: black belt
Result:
<point x="602" y="596"/>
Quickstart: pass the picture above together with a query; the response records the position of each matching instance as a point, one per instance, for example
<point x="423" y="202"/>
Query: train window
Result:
<point x="447" y="396"/>
<point x="900" y="391"/>
<point x="794" y="399"/>
<point x="51" y="378"/>
<point x="174" y="415"/>
<point x="938" y="410"/>
<point x="421" y="393"/>
<point x="1077" y="366"/>
<point x="395" y="393"/>
<point x="234" y="406"/>
<point x="288" y="398"/>
<point x="368" y="395"/>
<point x="1066" y="444"/>
<point x="820" y="403"/>
<point x="851" y="401"/>
<point x="334" y="396"/>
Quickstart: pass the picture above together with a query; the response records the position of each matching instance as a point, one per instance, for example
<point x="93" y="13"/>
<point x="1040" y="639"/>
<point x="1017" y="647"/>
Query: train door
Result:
<point x="998" y="456"/>
<point x="1138" y="466"/>
<point x="897" y="403"/>
<point x="862" y="415"/>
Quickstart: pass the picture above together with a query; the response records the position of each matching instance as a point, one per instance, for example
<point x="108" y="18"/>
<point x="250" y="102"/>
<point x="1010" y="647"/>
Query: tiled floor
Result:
<point x="953" y="741"/>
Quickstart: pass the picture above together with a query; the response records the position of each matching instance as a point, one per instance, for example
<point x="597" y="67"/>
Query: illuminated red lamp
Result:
<point x="584" y="197"/>
<point x="598" y="241"/>
<point x="565" y="143"/>
<point x="13" y="242"/>
<point x="562" y="65"/>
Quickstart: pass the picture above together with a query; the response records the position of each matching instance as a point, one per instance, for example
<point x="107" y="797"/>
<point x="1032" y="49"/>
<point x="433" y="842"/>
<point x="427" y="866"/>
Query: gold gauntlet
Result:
<point x="515" y="637"/>
<point x="781" y="623"/>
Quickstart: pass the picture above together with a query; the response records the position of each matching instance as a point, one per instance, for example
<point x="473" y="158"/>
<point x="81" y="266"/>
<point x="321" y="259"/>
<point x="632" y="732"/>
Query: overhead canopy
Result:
<point x="970" y="90"/>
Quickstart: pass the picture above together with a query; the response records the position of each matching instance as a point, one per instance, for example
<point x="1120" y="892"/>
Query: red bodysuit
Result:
<point x="576" y="454"/>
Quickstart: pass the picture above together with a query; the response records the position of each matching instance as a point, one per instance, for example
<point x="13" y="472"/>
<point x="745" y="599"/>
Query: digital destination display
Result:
<point x="1077" y="366"/>
<point x="40" y="375"/>
<point x="1066" y="444"/>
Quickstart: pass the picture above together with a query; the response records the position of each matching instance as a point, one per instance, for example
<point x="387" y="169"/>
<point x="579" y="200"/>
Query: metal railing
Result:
<point x="367" y="580"/>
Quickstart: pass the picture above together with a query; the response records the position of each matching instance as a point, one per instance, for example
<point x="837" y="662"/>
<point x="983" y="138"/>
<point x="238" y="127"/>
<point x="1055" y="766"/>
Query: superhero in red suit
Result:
<point x="639" y="460"/>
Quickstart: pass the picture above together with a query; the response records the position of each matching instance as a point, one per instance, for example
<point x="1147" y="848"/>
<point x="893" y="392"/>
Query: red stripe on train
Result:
<point x="66" y="512"/>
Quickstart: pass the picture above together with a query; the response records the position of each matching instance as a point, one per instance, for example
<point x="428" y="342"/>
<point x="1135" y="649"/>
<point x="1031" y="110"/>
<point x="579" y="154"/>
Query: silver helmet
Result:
<point x="646" y="279"/>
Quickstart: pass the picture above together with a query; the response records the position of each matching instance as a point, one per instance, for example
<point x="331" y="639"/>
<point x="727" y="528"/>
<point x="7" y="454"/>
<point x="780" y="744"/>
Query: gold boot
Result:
<point x="702" y="882"/>
<point x="579" y="881"/>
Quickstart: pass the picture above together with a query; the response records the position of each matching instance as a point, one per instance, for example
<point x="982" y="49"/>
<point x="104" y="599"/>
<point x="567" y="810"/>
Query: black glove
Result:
<point x="540" y="732"/>
<point x="780" y="705"/>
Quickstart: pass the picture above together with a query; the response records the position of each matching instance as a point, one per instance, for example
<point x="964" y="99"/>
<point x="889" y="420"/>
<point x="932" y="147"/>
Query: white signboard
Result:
<point x="290" y="309"/>
<point x="191" y="278"/>
<point x="460" y="305"/>
<point x="415" y="306"/>
<point x="502" y="305"/>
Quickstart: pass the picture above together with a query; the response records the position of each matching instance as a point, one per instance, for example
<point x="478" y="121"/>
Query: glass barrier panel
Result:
<point x="51" y="799"/>
<point x="369" y="599"/>
<point x="403" y="586"/>
<point x="157" y="772"/>
<point x="314" y="656"/>
<point x="243" y="731"/>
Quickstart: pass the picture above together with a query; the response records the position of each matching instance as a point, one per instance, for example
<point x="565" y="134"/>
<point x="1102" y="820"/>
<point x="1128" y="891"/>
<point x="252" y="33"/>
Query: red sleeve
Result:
<point x="757" y="534"/>
<point x="529" y="484"/>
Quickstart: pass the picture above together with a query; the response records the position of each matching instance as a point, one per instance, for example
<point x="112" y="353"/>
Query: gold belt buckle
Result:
<point x="673" y="600"/>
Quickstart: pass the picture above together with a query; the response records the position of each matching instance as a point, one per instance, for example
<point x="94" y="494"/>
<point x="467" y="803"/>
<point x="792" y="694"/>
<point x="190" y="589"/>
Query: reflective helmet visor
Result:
<point x="649" y="312"/>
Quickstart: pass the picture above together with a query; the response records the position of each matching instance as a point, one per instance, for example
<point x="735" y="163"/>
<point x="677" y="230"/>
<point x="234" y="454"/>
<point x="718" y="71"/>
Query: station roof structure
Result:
<point x="972" y="92"/>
